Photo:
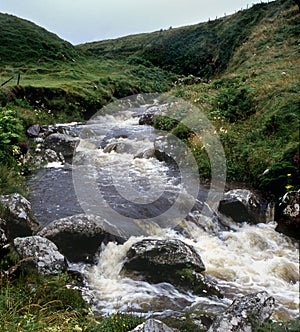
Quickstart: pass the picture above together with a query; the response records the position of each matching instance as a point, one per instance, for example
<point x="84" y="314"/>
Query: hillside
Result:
<point x="251" y="59"/>
<point x="65" y="80"/>
<point x="241" y="71"/>
<point x="203" y="49"/>
<point x="254" y="104"/>
<point x="24" y="42"/>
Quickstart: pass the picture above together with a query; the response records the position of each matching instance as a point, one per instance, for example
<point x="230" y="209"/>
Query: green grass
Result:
<point x="252" y="59"/>
<point x="254" y="107"/>
<point x="31" y="302"/>
<point x="204" y="49"/>
<point x="35" y="303"/>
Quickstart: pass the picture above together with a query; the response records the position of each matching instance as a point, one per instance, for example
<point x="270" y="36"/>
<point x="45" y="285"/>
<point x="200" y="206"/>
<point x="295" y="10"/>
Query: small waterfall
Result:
<point x="113" y="148"/>
<point x="252" y="259"/>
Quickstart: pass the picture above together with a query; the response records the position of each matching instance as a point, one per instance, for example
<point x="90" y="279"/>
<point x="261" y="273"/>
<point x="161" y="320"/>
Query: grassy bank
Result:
<point x="31" y="302"/>
<point x="248" y="73"/>
<point x="254" y="107"/>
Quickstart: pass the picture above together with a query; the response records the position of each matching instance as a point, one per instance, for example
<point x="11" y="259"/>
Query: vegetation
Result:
<point x="254" y="107"/>
<point x="242" y="71"/>
<point x="204" y="49"/>
<point x="31" y="302"/>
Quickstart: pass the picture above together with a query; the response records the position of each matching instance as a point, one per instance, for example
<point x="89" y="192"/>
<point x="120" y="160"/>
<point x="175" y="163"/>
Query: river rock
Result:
<point x="51" y="156"/>
<point x="34" y="130"/>
<point x="18" y="216"/>
<point x="79" y="237"/>
<point x="40" y="254"/>
<point x="3" y="242"/>
<point x="62" y="143"/>
<point x="287" y="214"/>
<point x="147" y="119"/>
<point x="153" y="325"/>
<point x="159" y="253"/>
<point x="242" y="206"/>
<point x="170" y="261"/>
<point x="145" y="154"/>
<point x="243" y="312"/>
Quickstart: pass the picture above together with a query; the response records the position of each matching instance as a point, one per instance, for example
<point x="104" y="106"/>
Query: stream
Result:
<point x="116" y="174"/>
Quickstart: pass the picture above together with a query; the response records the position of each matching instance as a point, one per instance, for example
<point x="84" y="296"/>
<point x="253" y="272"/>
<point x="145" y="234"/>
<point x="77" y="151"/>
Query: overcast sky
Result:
<point x="80" y="21"/>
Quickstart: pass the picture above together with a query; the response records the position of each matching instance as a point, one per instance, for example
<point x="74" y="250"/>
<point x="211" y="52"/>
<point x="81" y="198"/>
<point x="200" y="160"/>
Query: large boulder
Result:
<point x="242" y="205"/>
<point x="287" y="214"/>
<point x="243" y="312"/>
<point x="18" y="217"/>
<point x="62" y="143"/>
<point x="153" y="325"/>
<point x="40" y="254"/>
<point x="170" y="261"/>
<point x="79" y="237"/>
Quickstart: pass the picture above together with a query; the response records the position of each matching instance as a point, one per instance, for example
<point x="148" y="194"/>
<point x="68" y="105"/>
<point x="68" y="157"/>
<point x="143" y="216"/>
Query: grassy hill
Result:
<point x="251" y="59"/>
<point x="254" y="103"/>
<point x="203" y="49"/>
<point x="63" y="79"/>
<point x="249" y="70"/>
<point x="25" y="42"/>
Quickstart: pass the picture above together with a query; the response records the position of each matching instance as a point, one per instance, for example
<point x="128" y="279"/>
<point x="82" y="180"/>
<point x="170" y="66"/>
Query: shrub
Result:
<point x="11" y="133"/>
<point x="234" y="103"/>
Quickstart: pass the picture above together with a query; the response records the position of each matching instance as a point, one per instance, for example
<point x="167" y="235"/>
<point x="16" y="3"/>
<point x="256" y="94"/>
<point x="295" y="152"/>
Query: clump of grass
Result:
<point x="291" y="326"/>
<point x="36" y="303"/>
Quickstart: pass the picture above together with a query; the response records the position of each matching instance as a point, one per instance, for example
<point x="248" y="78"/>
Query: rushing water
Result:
<point x="251" y="258"/>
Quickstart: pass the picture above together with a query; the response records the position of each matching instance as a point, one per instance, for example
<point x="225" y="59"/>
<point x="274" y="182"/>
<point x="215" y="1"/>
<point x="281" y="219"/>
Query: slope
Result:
<point x="203" y="49"/>
<point x="24" y="41"/>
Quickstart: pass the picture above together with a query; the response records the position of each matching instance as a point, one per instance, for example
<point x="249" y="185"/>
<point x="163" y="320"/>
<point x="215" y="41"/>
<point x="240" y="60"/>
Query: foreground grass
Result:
<point x="36" y="303"/>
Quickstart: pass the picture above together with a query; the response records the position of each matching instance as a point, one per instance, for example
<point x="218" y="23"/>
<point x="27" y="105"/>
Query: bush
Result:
<point x="234" y="103"/>
<point x="11" y="133"/>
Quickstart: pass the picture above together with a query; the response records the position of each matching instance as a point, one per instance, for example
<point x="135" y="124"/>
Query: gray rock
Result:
<point x="147" y="119"/>
<point x="34" y="130"/>
<point x="174" y="254"/>
<point x="62" y="143"/>
<point x="52" y="156"/>
<point x="243" y="312"/>
<point x="170" y="261"/>
<point x="110" y="147"/>
<point x="40" y="254"/>
<point x="79" y="237"/>
<point x="243" y="206"/>
<point x="18" y="216"/>
<point x="153" y="325"/>
<point x="146" y="154"/>
<point x="287" y="214"/>
<point x="3" y="241"/>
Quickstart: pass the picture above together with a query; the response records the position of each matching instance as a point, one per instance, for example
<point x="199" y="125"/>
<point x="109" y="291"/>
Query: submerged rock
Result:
<point x="18" y="216"/>
<point x="79" y="237"/>
<point x="153" y="325"/>
<point x="243" y="206"/>
<point x="40" y="254"/>
<point x="170" y="261"/>
<point x="243" y="312"/>
<point x="62" y="143"/>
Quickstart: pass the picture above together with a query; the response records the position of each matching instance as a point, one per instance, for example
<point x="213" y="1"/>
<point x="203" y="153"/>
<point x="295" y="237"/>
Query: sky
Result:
<point x="81" y="21"/>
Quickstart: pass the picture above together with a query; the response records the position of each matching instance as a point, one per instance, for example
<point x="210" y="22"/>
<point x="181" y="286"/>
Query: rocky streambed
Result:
<point x="107" y="203"/>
